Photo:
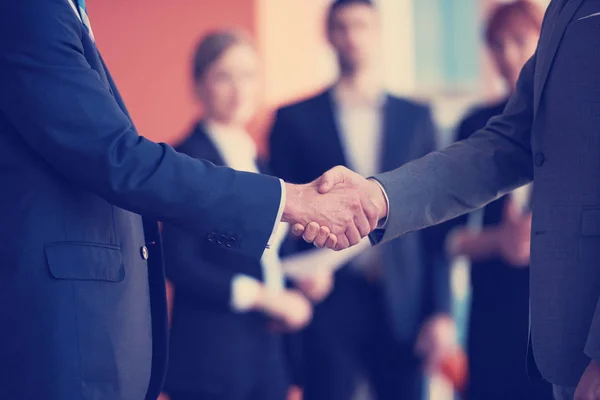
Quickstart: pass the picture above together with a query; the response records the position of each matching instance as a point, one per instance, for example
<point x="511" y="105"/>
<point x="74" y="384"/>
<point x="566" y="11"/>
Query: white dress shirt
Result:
<point x="360" y="125"/>
<point x="238" y="151"/>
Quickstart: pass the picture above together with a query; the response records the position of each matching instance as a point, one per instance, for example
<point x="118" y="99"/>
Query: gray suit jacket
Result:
<point x="550" y="132"/>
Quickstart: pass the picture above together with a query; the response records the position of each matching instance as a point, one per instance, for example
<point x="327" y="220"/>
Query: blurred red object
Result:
<point x="455" y="369"/>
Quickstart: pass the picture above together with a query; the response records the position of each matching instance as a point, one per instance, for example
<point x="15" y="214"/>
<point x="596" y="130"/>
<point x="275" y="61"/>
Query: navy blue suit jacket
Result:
<point x="305" y="142"/>
<point x="83" y="312"/>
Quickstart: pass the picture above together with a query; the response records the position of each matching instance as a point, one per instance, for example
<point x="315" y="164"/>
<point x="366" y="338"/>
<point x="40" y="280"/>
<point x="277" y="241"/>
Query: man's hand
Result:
<point x="288" y="307"/>
<point x="589" y="384"/>
<point x="318" y="286"/>
<point x="437" y="340"/>
<point x="363" y="194"/>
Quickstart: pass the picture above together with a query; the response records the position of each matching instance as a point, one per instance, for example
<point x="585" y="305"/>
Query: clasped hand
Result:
<point x="336" y="210"/>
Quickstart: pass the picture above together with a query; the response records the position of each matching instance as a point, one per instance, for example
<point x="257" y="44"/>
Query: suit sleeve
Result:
<point x="67" y="115"/>
<point x="466" y="175"/>
<point x="191" y="273"/>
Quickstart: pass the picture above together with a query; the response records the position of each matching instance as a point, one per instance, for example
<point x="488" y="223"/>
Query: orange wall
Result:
<point x="148" y="44"/>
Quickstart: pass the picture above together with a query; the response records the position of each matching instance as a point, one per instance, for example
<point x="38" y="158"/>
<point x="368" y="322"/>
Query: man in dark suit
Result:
<point x="548" y="133"/>
<point x="390" y="294"/>
<point x="82" y="302"/>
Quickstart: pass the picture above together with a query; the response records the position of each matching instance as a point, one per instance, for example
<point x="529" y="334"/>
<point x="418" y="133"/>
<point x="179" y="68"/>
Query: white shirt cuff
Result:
<point x="382" y="222"/>
<point x="244" y="293"/>
<point x="279" y="214"/>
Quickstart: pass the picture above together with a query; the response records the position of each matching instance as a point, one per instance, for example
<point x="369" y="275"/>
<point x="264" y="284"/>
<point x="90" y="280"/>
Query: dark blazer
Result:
<point x="211" y="346"/>
<point x="548" y="132"/>
<point x="305" y="143"/>
<point x="82" y="306"/>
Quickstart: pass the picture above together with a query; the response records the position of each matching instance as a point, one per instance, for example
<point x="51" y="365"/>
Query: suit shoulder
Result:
<point x="304" y="105"/>
<point x="415" y="106"/>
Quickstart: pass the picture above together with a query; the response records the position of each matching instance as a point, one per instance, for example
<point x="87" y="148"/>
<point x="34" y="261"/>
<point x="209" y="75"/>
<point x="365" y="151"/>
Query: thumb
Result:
<point x="329" y="179"/>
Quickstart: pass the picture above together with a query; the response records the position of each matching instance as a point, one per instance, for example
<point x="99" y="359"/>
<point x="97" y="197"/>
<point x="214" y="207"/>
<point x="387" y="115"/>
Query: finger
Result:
<point x="342" y="243"/>
<point x="331" y="242"/>
<point x="330" y="178"/>
<point x="372" y="214"/>
<point x="362" y="225"/>
<point x="322" y="237"/>
<point x="353" y="235"/>
<point x="311" y="231"/>
<point x="298" y="230"/>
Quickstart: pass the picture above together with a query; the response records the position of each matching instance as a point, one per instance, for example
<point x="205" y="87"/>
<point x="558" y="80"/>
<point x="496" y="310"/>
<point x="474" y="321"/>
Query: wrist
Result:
<point x="293" y="199"/>
<point x="377" y="196"/>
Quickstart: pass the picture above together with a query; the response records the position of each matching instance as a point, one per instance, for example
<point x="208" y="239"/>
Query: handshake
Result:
<point x="336" y="210"/>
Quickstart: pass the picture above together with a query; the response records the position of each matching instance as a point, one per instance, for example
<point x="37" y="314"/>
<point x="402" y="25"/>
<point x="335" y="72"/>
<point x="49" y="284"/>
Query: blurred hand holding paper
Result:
<point x="308" y="263"/>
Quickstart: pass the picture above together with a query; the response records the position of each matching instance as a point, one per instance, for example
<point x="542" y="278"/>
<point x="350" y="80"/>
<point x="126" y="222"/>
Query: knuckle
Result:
<point x="348" y="219"/>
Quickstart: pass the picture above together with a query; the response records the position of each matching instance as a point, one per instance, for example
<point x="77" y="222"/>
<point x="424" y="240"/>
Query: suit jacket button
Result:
<point x="230" y="242"/>
<point x="145" y="253"/>
<point x="211" y="237"/>
<point x="539" y="159"/>
<point x="221" y="239"/>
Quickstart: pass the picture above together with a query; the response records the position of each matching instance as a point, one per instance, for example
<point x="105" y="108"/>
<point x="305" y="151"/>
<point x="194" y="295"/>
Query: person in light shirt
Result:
<point x="387" y="319"/>
<point x="228" y="311"/>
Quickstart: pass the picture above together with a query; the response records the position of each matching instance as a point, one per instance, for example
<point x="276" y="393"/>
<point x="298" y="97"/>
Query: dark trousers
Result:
<point x="266" y="379"/>
<point x="274" y="391"/>
<point x="350" y="337"/>
<point x="498" y="337"/>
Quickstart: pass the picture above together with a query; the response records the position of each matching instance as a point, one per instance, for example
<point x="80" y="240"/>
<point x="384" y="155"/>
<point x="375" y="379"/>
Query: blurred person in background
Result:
<point x="388" y="317"/>
<point x="227" y="311"/>
<point x="499" y="252"/>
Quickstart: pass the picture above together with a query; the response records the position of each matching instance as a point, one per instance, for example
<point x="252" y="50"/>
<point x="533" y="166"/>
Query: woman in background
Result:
<point x="499" y="253"/>
<point x="227" y="311"/>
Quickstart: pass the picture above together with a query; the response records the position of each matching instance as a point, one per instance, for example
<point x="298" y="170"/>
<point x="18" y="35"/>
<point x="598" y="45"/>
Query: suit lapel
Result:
<point x="395" y="141"/>
<point x="202" y="147"/>
<point x="329" y="133"/>
<point x="548" y="47"/>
